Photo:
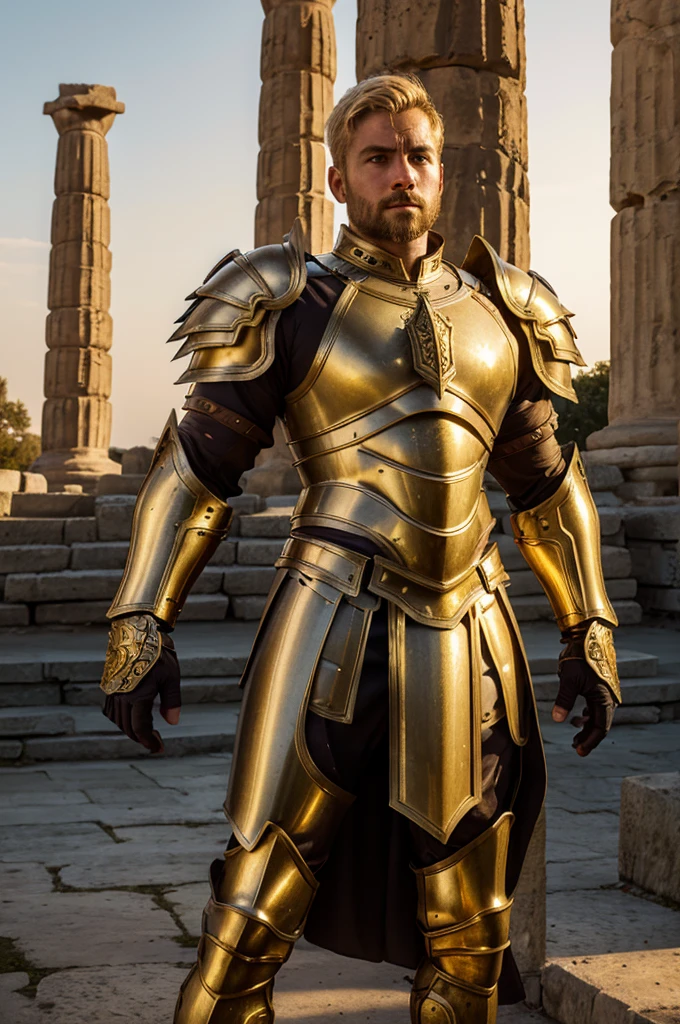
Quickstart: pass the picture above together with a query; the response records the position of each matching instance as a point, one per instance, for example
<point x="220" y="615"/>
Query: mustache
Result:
<point x="397" y="198"/>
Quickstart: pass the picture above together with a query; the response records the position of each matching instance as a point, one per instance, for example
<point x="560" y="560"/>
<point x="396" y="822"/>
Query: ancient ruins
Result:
<point x="76" y="424"/>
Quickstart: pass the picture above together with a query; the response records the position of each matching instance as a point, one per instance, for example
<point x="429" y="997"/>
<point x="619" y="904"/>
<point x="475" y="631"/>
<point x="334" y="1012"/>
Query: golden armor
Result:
<point x="176" y="527"/>
<point x="464" y="915"/>
<point x="391" y="431"/>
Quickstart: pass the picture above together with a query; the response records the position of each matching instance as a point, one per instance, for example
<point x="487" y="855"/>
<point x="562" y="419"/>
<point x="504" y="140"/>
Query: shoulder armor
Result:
<point x="544" y="320"/>
<point x="229" y="328"/>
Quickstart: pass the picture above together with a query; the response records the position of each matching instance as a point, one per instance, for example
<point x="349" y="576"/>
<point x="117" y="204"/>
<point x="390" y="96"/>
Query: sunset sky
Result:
<point x="183" y="161"/>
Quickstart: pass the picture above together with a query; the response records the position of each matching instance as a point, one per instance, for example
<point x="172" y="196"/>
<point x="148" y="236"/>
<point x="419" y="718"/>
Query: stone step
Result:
<point x="56" y="530"/>
<point x="537" y="608"/>
<point x="203" y="729"/>
<point x="636" y="987"/>
<point x="54" y="503"/>
<point x="205" y="690"/>
<point x="645" y="691"/>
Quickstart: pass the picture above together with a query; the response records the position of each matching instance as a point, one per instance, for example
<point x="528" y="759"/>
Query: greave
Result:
<point x="257" y="910"/>
<point x="464" y="915"/>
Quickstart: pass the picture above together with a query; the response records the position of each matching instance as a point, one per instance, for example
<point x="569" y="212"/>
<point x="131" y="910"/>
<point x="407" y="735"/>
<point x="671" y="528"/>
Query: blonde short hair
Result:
<point x="394" y="92"/>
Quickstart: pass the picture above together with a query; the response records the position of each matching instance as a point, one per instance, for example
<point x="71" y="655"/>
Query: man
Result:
<point x="388" y="754"/>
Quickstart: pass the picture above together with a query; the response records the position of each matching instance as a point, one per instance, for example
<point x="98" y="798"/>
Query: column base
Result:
<point x="75" y="466"/>
<point x="632" y="433"/>
<point x="646" y="451"/>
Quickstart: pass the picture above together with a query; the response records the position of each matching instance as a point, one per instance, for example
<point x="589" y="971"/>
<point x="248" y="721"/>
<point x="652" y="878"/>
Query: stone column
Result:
<point x="298" y="68"/>
<point x="471" y="57"/>
<point x="644" y="401"/>
<point x="76" y="423"/>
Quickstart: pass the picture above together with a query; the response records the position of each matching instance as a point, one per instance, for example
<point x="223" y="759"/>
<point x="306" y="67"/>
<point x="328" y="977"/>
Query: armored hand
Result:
<point x="140" y="665"/>
<point x="176" y="527"/>
<point x="587" y="667"/>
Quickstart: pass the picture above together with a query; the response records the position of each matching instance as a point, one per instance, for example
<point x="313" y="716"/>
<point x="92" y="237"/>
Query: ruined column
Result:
<point x="644" y="399"/>
<point x="470" y="54"/>
<point x="298" y="68"/>
<point x="76" y="422"/>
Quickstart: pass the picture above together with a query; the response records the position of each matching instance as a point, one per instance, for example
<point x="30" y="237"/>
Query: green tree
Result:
<point x="578" y="421"/>
<point x="18" y="447"/>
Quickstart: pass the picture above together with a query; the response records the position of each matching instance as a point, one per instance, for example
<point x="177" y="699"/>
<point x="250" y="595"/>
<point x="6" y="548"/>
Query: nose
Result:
<point x="403" y="177"/>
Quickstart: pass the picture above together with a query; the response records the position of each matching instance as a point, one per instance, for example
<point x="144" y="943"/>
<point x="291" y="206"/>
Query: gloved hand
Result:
<point x="141" y="664"/>
<point x="587" y="667"/>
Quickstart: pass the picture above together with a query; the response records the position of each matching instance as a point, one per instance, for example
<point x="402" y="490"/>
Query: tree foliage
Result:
<point x="18" y="447"/>
<point x="578" y="421"/>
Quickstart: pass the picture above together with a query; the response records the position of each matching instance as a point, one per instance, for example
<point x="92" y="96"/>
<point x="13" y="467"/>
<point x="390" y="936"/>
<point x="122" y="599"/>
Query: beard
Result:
<point x="374" y="222"/>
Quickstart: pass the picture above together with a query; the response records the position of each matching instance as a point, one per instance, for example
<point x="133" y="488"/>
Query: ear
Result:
<point x="441" y="177"/>
<point x="336" y="184"/>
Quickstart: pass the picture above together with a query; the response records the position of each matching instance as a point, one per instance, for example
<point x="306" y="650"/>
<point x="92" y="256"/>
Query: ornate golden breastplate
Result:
<point x="393" y="425"/>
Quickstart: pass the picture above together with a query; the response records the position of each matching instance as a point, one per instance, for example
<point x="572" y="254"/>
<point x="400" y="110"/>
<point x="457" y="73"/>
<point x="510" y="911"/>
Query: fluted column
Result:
<point x="298" y="68"/>
<point x="471" y="56"/>
<point x="644" y="400"/>
<point x="76" y="422"/>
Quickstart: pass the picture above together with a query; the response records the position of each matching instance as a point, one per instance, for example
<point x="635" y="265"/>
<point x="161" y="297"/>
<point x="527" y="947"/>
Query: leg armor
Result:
<point x="259" y="904"/>
<point x="464" y="914"/>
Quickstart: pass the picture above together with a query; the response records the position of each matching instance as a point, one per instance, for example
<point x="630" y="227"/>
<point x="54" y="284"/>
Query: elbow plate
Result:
<point x="177" y="525"/>
<point x="560" y="540"/>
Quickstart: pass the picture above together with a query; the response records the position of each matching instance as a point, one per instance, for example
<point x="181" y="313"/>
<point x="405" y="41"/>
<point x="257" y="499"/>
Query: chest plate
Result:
<point x="392" y="427"/>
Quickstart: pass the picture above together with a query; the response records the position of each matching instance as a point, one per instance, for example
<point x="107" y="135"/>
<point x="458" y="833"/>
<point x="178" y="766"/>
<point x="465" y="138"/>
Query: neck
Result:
<point x="408" y="252"/>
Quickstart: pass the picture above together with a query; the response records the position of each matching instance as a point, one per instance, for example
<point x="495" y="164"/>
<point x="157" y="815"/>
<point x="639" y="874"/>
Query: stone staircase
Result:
<point x="50" y="697"/>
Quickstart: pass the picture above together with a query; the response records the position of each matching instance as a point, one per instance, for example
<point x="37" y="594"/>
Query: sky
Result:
<point x="183" y="163"/>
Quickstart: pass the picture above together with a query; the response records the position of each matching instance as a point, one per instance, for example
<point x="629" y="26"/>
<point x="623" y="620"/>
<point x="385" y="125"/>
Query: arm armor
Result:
<point x="544" y="321"/>
<point x="560" y="540"/>
<point x="176" y="527"/>
<point x="230" y="326"/>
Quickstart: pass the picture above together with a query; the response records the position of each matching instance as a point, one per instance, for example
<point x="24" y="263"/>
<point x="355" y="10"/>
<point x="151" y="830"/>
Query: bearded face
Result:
<point x="399" y="217"/>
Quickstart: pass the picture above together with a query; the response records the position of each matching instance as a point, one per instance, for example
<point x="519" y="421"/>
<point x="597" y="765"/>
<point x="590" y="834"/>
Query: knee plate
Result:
<point x="258" y="906"/>
<point x="464" y="914"/>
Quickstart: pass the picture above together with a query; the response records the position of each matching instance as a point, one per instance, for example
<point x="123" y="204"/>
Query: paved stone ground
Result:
<point x="103" y="877"/>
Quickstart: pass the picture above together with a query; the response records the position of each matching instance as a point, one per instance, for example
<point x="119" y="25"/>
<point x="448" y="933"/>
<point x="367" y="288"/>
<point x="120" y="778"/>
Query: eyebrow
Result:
<point x="422" y="148"/>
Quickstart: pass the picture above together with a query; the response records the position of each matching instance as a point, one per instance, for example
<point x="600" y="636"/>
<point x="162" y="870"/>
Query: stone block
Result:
<point x="50" y="505"/>
<point x="633" y="456"/>
<point x="71" y="928"/>
<point x="660" y="599"/>
<point x="649" y="837"/>
<point x="629" y="612"/>
<point x="248" y="608"/>
<point x="13" y="695"/>
<point x="13" y="614"/>
<point x="258" y="551"/>
<point x="621" y="589"/>
<point x="655" y="564"/>
<point x="100" y="555"/>
<point x="72" y="613"/>
<point x="607" y="499"/>
<point x="611" y="989"/>
<point x="205" y="607"/>
<point x="273" y="522"/>
<point x="80" y="530"/>
<point x="33" y="483"/>
<point x="639" y="432"/>
<point x="248" y="579"/>
<point x="6" y="503"/>
<point x="475" y="34"/>
<point x="33" y="558"/>
<point x="82" y="585"/>
<point x="616" y="562"/>
<point x="208" y="690"/>
<point x="36" y="722"/>
<point x="650" y="523"/>
<point x="523" y="583"/>
<point x="113" y="513"/>
<point x="10" y="480"/>
<point x="116" y="483"/>
<point x="247" y="504"/>
<point x="87" y="694"/>
<point x="602" y="477"/>
<point x="137" y="460"/>
<point x="225" y="554"/>
<point x="528" y="922"/>
<point x="633" y="490"/>
<point x="655" y="474"/>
